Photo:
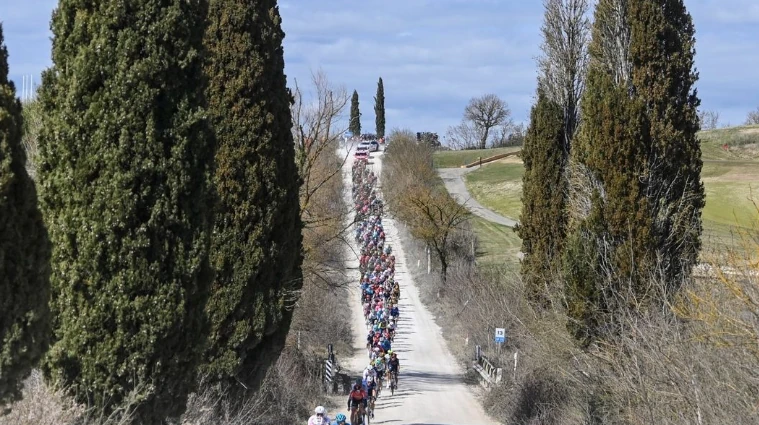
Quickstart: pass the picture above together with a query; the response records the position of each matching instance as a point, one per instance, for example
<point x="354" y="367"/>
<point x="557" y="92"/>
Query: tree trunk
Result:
<point x="443" y="273"/>
<point x="484" y="140"/>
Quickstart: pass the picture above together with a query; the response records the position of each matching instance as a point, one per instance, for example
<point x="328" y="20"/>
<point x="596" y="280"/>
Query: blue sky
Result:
<point x="434" y="55"/>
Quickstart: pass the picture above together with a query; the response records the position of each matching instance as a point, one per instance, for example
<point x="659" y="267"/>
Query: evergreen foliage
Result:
<point x="610" y="246"/>
<point x="379" y="109"/>
<point x="638" y="157"/>
<point x="355" y="124"/>
<point x="256" y="244"/>
<point x="24" y="251"/>
<point x="125" y="166"/>
<point x="662" y="49"/>
<point x="542" y="225"/>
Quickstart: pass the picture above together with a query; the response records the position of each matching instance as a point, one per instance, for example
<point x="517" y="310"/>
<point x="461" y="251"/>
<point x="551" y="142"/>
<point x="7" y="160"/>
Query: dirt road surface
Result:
<point x="430" y="388"/>
<point x="454" y="183"/>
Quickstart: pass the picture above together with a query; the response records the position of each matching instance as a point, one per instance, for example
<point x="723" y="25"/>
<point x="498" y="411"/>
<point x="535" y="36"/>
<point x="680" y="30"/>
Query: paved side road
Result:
<point x="430" y="388"/>
<point x="454" y="183"/>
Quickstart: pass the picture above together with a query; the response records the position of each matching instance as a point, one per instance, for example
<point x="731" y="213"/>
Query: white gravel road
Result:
<point x="430" y="388"/>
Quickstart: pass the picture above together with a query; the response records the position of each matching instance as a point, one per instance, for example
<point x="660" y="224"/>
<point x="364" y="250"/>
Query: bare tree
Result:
<point x="318" y="126"/>
<point x="463" y="136"/>
<point x="32" y="113"/>
<point x="418" y="200"/>
<point x="433" y="216"/>
<point x="753" y="117"/>
<point x="317" y="133"/>
<point x="613" y="40"/>
<point x="564" y="61"/>
<point x="485" y="113"/>
<point x="709" y="120"/>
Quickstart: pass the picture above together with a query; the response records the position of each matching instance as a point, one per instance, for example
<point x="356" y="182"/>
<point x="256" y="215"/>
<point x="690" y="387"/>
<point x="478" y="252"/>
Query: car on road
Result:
<point x="366" y="146"/>
<point x="362" y="154"/>
<point x="375" y="146"/>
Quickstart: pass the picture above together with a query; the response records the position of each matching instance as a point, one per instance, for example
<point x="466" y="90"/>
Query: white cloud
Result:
<point x="434" y="55"/>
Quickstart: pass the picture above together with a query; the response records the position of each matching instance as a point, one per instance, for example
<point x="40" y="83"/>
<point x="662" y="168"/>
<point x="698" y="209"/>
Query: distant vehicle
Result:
<point x="375" y="146"/>
<point x="366" y="146"/>
<point x="362" y="155"/>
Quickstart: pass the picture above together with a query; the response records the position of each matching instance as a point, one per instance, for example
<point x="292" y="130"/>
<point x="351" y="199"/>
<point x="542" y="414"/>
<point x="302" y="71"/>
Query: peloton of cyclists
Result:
<point x="380" y="291"/>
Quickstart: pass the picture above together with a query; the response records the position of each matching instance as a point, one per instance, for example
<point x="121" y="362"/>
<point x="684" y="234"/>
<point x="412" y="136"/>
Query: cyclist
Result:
<point x="340" y="419"/>
<point x="370" y="386"/>
<point x="395" y="312"/>
<point x="385" y="344"/>
<point x="319" y="417"/>
<point x="379" y="366"/>
<point x="393" y="366"/>
<point x="357" y="403"/>
<point x="369" y="371"/>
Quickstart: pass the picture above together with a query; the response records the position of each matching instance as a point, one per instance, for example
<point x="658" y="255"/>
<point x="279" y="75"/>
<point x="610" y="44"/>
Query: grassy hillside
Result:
<point x="742" y="143"/>
<point x="498" y="245"/>
<point x="498" y="186"/>
<point x="730" y="176"/>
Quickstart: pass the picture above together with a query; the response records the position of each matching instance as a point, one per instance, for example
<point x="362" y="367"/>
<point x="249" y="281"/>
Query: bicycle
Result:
<point x="393" y="382"/>
<point x="358" y="411"/>
<point x="369" y="413"/>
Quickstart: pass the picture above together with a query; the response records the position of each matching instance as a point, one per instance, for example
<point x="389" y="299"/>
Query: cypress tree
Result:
<point x="355" y="123"/>
<point x="379" y="109"/>
<point x="609" y="247"/>
<point x="608" y="259"/>
<point x="662" y="55"/>
<point x="126" y="155"/>
<point x="256" y="244"/>
<point x="24" y="251"/>
<point x="543" y="221"/>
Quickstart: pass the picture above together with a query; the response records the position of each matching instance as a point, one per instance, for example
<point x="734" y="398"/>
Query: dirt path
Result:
<point x="454" y="183"/>
<point x="431" y="390"/>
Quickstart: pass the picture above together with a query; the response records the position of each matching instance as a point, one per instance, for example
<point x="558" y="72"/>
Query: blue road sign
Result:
<point x="500" y="335"/>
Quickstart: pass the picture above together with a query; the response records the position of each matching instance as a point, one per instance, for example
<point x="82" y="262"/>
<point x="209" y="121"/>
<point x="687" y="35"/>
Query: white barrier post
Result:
<point x="516" y="355"/>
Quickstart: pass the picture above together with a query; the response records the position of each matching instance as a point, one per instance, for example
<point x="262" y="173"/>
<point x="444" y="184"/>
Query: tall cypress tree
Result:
<point x="256" y="244"/>
<point x="662" y="55"/>
<point x="126" y="155"/>
<point x="542" y="225"/>
<point x="355" y="124"/>
<point x="609" y="247"/>
<point x="24" y="251"/>
<point x="379" y="109"/>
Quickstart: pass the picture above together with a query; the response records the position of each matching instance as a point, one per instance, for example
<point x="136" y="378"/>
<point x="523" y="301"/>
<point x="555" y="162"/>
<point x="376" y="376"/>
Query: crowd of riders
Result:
<point x="379" y="296"/>
<point x="380" y="293"/>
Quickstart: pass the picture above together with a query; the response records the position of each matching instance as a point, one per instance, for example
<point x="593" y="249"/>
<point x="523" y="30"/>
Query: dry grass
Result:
<point x="43" y="405"/>
<point x="688" y="363"/>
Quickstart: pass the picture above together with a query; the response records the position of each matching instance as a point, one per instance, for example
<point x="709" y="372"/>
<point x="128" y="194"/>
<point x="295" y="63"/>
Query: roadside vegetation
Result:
<point x="605" y="332"/>
<point x="172" y="301"/>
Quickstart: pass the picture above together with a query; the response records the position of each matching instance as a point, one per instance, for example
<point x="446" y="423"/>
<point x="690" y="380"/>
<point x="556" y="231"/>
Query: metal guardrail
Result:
<point x="490" y="374"/>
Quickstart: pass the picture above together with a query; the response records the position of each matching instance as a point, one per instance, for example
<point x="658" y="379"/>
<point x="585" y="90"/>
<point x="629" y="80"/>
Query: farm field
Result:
<point x="730" y="175"/>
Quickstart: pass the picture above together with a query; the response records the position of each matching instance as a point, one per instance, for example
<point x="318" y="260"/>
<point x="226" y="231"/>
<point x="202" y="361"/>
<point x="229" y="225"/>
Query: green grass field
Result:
<point x="730" y="176"/>
<point x="498" y="186"/>
<point x="742" y="143"/>
<point x="498" y="245"/>
<point x="453" y="159"/>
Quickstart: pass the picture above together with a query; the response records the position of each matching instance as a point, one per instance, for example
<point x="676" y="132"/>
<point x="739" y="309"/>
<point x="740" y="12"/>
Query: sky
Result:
<point x="435" y="55"/>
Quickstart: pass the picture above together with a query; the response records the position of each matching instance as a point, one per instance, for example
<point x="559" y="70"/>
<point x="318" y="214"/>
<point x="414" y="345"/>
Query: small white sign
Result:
<point x="500" y="335"/>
